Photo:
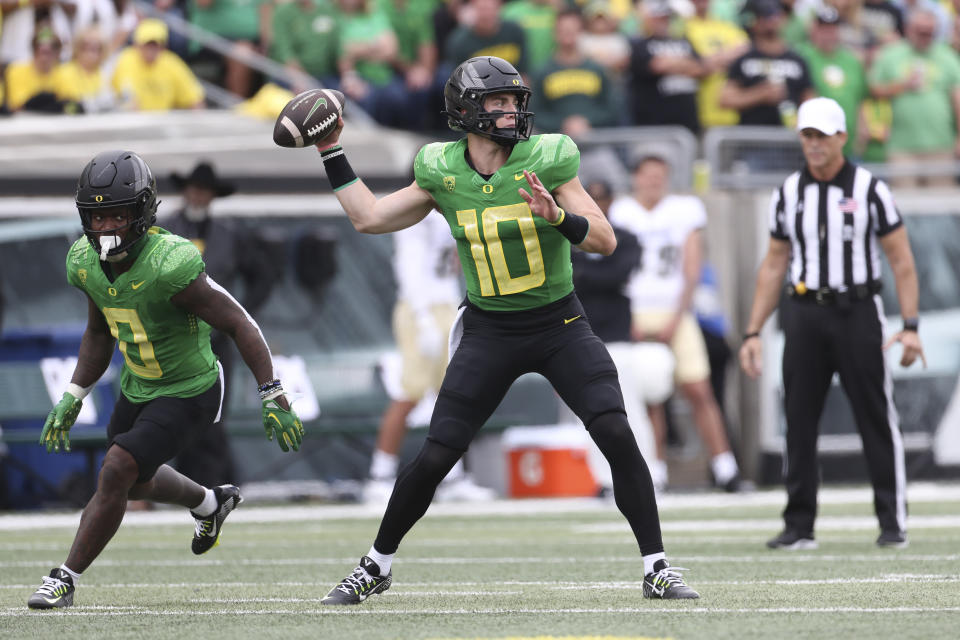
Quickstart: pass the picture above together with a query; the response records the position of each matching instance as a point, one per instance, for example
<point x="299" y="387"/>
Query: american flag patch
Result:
<point x="847" y="205"/>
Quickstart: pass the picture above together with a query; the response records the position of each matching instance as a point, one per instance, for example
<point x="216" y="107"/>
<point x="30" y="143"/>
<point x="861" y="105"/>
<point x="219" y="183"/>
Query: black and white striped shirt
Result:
<point x="833" y="226"/>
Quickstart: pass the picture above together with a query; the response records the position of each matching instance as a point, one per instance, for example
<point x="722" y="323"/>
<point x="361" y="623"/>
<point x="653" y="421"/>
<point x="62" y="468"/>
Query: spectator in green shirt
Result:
<point x="572" y="94"/>
<point x="417" y="57"/>
<point x="368" y="52"/>
<point x="921" y="77"/>
<point x="239" y="22"/>
<point x="835" y="70"/>
<point x="305" y="40"/>
<point x="536" y="18"/>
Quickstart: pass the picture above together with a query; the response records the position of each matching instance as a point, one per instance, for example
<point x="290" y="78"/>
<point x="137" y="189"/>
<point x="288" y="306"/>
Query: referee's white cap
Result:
<point x="823" y="114"/>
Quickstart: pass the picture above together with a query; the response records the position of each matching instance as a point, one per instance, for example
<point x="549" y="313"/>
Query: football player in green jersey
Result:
<point x="146" y="290"/>
<point x="514" y="205"/>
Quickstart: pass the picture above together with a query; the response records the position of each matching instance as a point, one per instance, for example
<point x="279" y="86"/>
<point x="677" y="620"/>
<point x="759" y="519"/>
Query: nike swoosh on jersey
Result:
<point x="518" y="176"/>
<point x="569" y="320"/>
<point x="137" y="285"/>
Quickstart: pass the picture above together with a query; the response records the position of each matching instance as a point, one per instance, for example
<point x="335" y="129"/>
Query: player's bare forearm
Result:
<point x="398" y="210"/>
<point x="214" y="305"/>
<point x="769" y="280"/>
<point x="896" y="246"/>
<point x="96" y="348"/>
<point x="692" y="263"/>
<point x="573" y="197"/>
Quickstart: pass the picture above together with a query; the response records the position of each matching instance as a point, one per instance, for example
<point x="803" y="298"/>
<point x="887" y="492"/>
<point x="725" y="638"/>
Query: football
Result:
<point x="308" y="118"/>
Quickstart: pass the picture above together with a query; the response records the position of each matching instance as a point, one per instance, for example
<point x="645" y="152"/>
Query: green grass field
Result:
<point x="514" y="569"/>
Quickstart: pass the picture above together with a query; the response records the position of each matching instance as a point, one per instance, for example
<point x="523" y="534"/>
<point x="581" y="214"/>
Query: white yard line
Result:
<point x="353" y="611"/>
<point x="786" y="557"/>
<point x="552" y="585"/>
<point x="916" y="493"/>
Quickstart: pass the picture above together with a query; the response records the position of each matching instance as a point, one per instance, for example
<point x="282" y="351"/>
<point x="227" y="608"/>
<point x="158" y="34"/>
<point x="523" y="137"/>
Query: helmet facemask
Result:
<point x="485" y="122"/>
<point x="113" y="245"/>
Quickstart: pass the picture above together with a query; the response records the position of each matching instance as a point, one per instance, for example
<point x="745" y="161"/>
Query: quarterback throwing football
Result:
<point x="514" y="205"/>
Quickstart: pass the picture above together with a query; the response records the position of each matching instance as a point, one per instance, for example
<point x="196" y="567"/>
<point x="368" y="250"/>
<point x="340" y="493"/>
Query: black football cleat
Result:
<point x="892" y="540"/>
<point x="207" y="533"/>
<point x="666" y="583"/>
<point x="56" y="592"/>
<point x="359" y="585"/>
<point x="792" y="540"/>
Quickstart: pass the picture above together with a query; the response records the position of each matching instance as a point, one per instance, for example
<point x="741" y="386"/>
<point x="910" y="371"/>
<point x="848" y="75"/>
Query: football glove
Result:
<point x="284" y="423"/>
<point x="56" y="429"/>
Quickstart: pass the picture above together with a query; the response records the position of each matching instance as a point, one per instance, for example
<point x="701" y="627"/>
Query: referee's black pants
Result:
<point x="848" y="340"/>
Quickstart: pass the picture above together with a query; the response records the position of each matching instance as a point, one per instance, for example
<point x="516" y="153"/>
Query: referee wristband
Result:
<point x="572" y="227"/>
<point x="752" y="334"/>
<point x="911" y="324"/>
<point x="339" y="172"/>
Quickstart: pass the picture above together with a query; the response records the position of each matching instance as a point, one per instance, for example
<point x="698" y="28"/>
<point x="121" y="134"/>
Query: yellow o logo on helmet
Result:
<point x="516" y="82"/>
<point x="99" y="198"/>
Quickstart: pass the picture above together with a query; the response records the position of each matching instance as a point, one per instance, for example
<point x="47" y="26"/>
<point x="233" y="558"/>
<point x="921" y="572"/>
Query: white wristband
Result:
<point x="273" y="394"/>
<point x="79" y="392"/>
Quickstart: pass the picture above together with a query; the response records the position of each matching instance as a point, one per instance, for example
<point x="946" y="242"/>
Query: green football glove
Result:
<point x="284" y="423"/>
<point x="56" y="430"/>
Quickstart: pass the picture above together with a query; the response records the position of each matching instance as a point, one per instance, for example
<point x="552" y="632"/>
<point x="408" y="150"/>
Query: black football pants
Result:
<point x="848" y="340"/>
<point x="494" y="350"/>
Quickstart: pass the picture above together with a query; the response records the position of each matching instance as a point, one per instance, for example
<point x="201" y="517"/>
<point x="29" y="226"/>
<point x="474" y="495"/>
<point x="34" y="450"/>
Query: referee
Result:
<point x="826" y="222"/>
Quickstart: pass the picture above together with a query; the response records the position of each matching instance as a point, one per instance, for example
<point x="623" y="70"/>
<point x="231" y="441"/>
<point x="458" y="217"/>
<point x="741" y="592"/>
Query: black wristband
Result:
<point x="572" y="227"/>
<point x="911" y="324"/>
<point x="339" y="172"/>
<point x="269" y="386"/>
<point x="752" y="334"/>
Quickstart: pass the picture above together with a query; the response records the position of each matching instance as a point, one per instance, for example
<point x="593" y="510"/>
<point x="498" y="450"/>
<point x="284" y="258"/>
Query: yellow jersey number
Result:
<point x="489" y="219"/>
<point x="150" y="367"/>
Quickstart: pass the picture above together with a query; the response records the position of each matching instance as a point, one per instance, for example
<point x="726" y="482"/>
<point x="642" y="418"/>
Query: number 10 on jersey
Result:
<point x="491" y="245"/>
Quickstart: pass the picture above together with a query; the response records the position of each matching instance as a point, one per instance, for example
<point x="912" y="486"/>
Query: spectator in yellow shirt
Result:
<point x="718" y="42"/>
<point x="83" y="79"/>
<point x="36" y="80"/>
<point x="149" y="77"/>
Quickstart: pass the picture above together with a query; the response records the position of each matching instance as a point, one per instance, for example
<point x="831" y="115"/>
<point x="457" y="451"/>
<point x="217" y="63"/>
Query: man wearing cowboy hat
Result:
<point x="229" y="253"/>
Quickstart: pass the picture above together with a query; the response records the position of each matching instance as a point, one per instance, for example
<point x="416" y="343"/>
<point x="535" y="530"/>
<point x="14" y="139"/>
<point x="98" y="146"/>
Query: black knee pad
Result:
<point x="448" y="426"/>
<point x="611" y="429"/>
<point x="434" y="460"/>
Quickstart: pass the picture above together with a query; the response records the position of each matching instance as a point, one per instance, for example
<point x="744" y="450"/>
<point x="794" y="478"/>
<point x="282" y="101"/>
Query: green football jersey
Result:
<point x="512" y="260"/>
<point x="166" y="350"/>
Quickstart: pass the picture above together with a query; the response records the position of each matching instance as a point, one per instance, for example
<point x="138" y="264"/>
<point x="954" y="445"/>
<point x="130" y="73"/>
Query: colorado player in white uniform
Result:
<point x="427" y="272"/>
<point x="668" y="228"/>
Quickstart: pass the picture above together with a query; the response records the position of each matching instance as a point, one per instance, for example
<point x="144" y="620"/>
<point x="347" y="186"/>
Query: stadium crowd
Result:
<point x="893" y="65"/>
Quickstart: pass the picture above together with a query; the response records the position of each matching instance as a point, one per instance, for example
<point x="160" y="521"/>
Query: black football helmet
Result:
<point x="473" y="81"/>
<point x="117" y="179"/>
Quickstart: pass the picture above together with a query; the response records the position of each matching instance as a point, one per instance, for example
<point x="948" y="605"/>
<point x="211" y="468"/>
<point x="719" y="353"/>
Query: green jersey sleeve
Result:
<point x="178" y="265"/>
<point x="559" y="160"/>
<point x="76" y="263"/>
<point x="426" y="166"/>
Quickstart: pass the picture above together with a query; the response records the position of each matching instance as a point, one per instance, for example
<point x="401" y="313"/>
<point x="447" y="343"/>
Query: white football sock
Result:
<point x="724" y="467"/>
<point x="383" y="465"/>
<point x="650" y="560"/>
<point x="208" y="505"/>
<point x="70" y="572"/>
<point x="383" y="560"/>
